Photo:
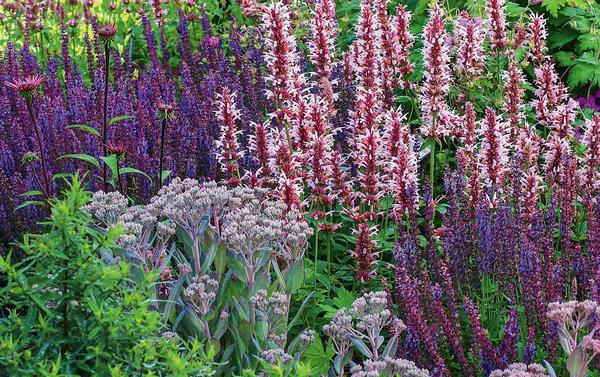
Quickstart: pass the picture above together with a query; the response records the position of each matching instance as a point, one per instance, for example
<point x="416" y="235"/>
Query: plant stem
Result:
<point x="316" y="252"/>
<point x="432" y="168"/>
<point x="162" y="149"/>
<point x="105" y="113"/>
<point x="40" y="146"/>
<point x="119" y="178"/>
<point x="197" y="265"/>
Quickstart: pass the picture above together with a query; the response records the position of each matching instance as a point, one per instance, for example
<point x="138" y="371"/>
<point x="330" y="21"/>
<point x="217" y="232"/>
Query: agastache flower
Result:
<point x="435" y="112"/>
<point x="589" y="172"/>
<point x="493" y="154"/>
<point x="365" y="252"/>
<point x="322" y="47"/>
<point x="496" y="24"/>
<point x="401" y="163"/>
<point x="537" y="36"/>
<point x="388" y="45"/>
<point x="228" y="146"/>
<point x="561" y="119"/>
<point x="259" y="146"/>
<point x="404" y="42"/>
<point x="284" y="75"/>
<point x="514" y="92"/>
<point x="549" y="92"/>
<point x="470" y="36"/>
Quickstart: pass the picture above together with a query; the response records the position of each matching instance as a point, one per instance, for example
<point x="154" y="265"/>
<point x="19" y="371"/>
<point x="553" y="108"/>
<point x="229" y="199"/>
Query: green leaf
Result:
<point x="165" y="174"/>
<point x="32" y="193"/>
<point x="112" y="163"/>
<point x="119" y="118"/>
<point x="134" y="171"/>
<point x="294" y="277"/>
<point x="83" y="157"/>
<point x="86" y="128"/>
<point x="553" y="6"/>
<point x="565" y="58"/>
<point x="29" y="203"/>
<point x="296" y="318"/>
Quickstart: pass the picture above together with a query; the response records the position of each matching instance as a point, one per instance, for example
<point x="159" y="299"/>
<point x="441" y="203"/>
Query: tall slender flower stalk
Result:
<point x="166" y="113"/>
<point x="106" y="34"/>
<point x="28" y="88"/>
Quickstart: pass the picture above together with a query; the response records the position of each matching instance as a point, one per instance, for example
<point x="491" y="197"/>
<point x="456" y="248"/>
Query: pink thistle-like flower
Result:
<point x="228" y="148"/>
<point x="28" y="86"/>
<point x="284" y="77"/>
<point x="117" y="149"/>
<point x="470" y="35"/>
<point x="259" y="147"/>
<point x="514" y="92"/>
<point x="404" y="42"/>
<point x="493" y="154"/>
<point x="549" y="92"/>
<point x="107" y="32"/>
<point x="496" y="24"/>
<point x="435" y="112"/>
<point x="166" y="110"/>
<point x="537" y="36"/>
<point x="590" y="175"/>
<point x="365" y="252"/>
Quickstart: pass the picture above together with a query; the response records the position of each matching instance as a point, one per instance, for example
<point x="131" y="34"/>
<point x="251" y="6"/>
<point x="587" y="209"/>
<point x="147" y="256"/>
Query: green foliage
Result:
<point x="66" y="312"/>
<point x="574" y="31"/>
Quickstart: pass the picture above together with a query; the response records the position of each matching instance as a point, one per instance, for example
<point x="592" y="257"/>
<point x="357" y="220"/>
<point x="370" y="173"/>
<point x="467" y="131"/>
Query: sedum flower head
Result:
<point x="190" y="204"/>
<point x="201" y="293"/>
<point x="521" y="370"/>
<point x="106" y="207"/>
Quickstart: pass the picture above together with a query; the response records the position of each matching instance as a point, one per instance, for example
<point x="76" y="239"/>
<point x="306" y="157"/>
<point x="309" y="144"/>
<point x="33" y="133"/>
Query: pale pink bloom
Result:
<point x="284" y="77"/>
<point x="435" y="113"/>
<point x="469" y="35"/>
<point x="496" y="24"/>
<point x="493" y="154"/>
<point x="537" y="35"/>
<point x="228" y="147"/>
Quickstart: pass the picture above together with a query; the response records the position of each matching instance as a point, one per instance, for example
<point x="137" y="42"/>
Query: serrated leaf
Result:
<point x="119" y="118"/>
<point x="553" y="6"/>
<point x="83" y="157"/>
<point x="565" y="58"/>
<point x="86" y="128"/>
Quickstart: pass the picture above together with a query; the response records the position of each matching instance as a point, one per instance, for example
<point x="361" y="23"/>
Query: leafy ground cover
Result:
<point x="362" y="188"/>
